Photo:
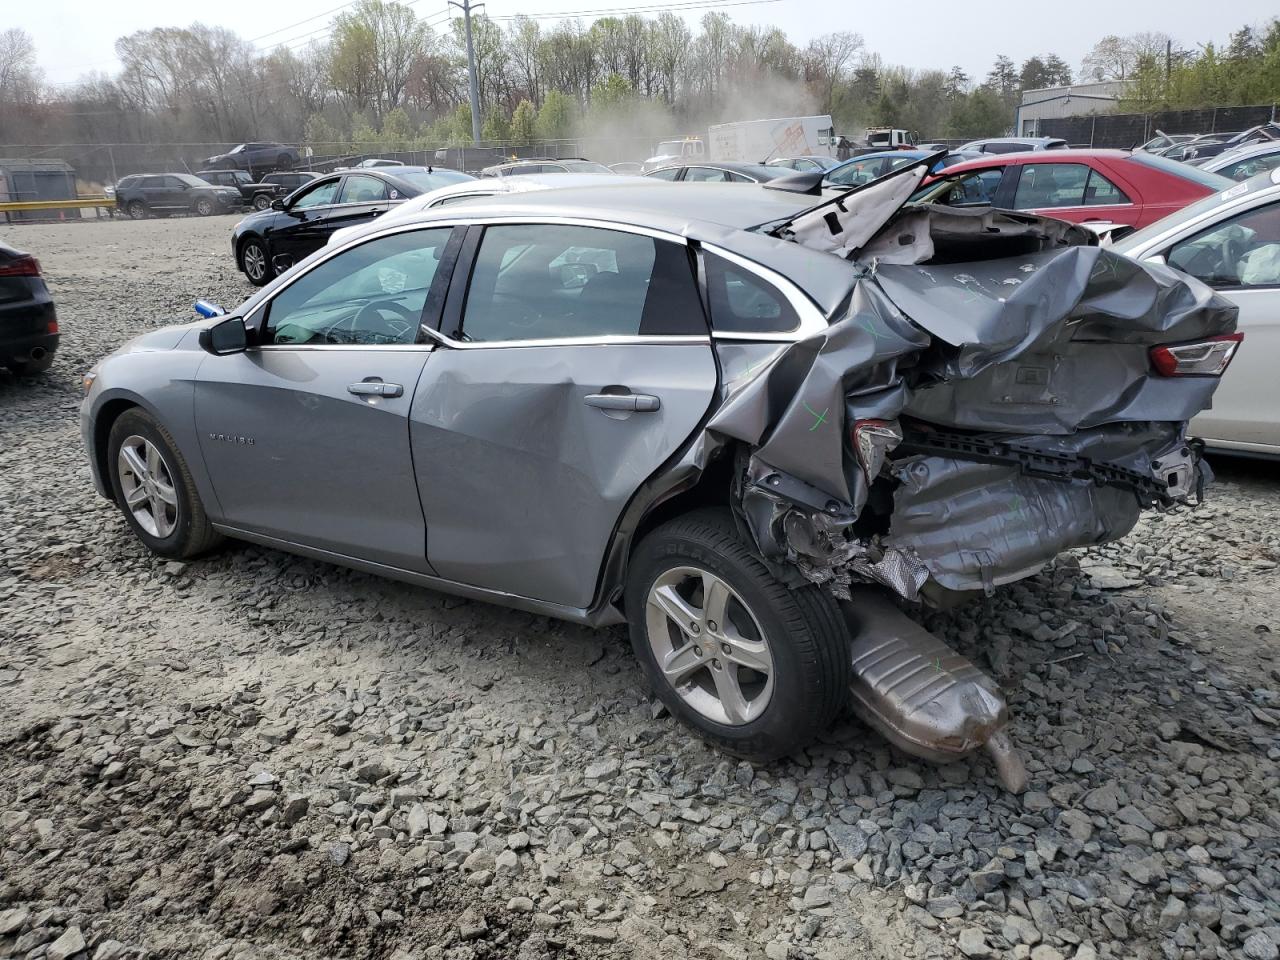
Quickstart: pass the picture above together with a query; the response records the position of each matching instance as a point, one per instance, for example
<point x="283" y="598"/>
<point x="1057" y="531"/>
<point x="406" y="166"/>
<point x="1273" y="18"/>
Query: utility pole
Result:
<point x="466" y="6"/>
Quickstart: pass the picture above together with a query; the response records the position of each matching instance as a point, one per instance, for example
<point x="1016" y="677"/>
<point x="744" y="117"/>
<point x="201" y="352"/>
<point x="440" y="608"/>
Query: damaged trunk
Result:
<point x="995" y="389"/>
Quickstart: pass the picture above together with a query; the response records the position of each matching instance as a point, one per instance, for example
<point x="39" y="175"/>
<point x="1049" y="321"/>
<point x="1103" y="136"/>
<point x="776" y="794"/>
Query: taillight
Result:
<point x="23" y="266"/>
<point x="872" y="441"/>
<point x="1204" y="358"/>
<point x="53" y="327"/>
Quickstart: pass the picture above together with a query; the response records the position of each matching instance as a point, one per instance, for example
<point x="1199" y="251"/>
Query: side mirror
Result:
<point x="277" y="204"/>
<point x="225" y="337"/>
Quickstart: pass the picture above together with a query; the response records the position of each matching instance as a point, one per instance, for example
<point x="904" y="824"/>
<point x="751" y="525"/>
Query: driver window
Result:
<point x="318" y="196"/>
<point x="1241" y="252"/>
<point x="539" y="281"/>
<point x="370" y="294"/>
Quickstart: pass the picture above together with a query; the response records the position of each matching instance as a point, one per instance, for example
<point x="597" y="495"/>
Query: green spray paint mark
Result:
<point x="819" y="418"/>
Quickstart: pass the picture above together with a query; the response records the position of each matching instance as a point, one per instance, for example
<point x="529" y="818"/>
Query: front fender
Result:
<point x="161" y="382"/>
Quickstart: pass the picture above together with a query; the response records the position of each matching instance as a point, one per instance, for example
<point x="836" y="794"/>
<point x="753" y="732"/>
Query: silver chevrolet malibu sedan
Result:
<point x="723" y="414"/>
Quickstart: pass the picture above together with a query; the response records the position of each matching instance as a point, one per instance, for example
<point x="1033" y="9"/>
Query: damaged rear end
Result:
<point x="1007" y="389"/>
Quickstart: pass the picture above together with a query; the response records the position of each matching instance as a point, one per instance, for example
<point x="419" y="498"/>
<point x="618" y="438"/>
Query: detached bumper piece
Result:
<point x="921" y="695"/>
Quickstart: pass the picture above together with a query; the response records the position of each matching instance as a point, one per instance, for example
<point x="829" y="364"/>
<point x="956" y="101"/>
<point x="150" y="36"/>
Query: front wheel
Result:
<point x="755" y="667"/>
<point x="255" y="262"/>
<point x="154" y="489"/>
<point x="261" y="202"/>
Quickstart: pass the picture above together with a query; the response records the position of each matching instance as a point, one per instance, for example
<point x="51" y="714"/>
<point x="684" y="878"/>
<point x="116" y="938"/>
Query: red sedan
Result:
<point x="1097" y="188"/>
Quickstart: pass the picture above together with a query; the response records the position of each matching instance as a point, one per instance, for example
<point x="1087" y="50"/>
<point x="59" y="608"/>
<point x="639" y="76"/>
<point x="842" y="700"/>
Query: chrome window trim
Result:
<point x="812" y="319"/>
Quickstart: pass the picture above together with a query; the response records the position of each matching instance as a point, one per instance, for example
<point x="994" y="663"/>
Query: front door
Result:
<point x="306" y="436"/>
<point x="581" y="364"/>
<point x="304" y="228"/>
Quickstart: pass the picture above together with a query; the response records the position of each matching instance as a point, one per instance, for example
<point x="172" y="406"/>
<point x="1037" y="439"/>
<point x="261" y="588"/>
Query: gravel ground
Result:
<point x="260" y="756"/>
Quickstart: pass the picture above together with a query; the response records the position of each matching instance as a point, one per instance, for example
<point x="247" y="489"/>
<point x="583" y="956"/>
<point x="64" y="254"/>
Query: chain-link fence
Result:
<point x="97" y="165"/>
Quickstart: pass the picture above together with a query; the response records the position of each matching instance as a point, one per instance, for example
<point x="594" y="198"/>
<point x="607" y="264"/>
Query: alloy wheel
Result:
<point x="147" y="484"/>
<point x="255" y="261"/>
<point x="204" y="208"/>
<point x="709" y="645"/>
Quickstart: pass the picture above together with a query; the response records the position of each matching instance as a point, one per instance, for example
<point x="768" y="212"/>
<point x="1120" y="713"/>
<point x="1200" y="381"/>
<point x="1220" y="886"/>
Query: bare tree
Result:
<point x="827" y="59"/>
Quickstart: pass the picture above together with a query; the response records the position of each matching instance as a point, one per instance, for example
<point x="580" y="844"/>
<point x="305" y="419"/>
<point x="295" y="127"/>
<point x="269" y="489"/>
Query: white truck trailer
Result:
<point x="757" y="141"/>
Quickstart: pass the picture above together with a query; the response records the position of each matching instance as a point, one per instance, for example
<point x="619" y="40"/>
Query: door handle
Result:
<point x="375" y="388"/>
<point x="638" y="402"/>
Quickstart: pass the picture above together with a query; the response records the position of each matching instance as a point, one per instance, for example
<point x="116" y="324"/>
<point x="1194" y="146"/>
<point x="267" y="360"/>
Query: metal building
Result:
<point x="39" y="179"/>
<point x="1078" y="99"/>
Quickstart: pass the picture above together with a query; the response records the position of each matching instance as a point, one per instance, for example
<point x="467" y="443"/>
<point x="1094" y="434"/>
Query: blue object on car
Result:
<point x="207" y="309"/>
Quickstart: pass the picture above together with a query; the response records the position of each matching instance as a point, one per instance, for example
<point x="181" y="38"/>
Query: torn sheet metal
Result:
<point x="984" y="322"/>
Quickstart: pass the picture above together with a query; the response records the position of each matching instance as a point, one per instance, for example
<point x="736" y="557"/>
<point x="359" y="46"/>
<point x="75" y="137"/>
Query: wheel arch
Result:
<point x="679" y="488"/>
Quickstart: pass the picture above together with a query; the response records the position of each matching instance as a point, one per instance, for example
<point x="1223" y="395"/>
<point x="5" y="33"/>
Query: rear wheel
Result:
<point x="255" y="263"/>
<point x="137" y="210"/>
<point x="755" y="667"/>
<point x="261" y="202"/>
<point x="284" y="162"/>
<point x="154" y="489"/>
<point x="204" y="207"/>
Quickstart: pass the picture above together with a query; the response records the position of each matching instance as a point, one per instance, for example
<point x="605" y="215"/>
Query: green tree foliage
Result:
<point x="495" y="126"/>
<point x="1246" y="71"/>
<point x="524" y="123"/>
<point x="556" y="118"/>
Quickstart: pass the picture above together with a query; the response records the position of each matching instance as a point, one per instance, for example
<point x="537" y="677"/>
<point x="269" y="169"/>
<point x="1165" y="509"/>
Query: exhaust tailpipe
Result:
<point x="921" y="695"/>
<point x="38" y="353"/>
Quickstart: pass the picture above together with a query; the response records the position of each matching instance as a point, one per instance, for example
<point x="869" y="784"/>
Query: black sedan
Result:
<point x="28" y="324"/>
<point x="268" y="243"/>
<point x="718" y="171"/>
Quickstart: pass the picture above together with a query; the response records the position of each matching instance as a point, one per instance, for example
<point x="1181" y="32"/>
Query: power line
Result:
<point x="272" y="33"/>
<point x="654" y="8"/>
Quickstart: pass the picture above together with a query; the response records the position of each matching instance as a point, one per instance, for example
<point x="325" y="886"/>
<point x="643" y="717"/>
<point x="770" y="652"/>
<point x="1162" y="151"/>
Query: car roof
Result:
<point x="1017" y="140"/>
<point x="909" y="154"/>
<point x="717" y="213"/>
<point x="1037" y="156"/>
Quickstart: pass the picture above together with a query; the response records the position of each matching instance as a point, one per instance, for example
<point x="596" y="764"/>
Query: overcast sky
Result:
<point x="73" y="37"/>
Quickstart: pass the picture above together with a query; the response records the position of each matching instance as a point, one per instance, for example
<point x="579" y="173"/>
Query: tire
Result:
<point x="255" y="261"/>
<point x="798" y="634"/>
<point x="30" y="368"/>
<point x="262" y="201"/>
<point x="137" y="210"/>
<point x="284" y="162"/>
<point x="171" y="521"/>
<point x="204" y="207"/>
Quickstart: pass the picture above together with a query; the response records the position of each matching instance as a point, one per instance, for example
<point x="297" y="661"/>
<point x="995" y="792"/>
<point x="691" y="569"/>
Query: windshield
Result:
<point x="430" y="181"/>
<point x="585" y="166"/>
<point x="1172" y="167"/>
<point x="670" y="148"/>
<point x="1188" y="213"/>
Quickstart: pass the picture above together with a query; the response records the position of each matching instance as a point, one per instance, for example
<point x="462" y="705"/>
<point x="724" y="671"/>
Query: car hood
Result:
<point x="257" y="219"/>
<point x="165" y="338"/>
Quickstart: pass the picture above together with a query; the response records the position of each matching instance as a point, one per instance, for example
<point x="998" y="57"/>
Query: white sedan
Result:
<point x="487" y="187"/>
<point x="1231" y="241"/>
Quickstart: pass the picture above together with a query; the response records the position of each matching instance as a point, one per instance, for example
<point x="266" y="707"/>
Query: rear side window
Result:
<point x="670" y="173"/>
<point x="539" y="282"/>
<point x="362" y="189"/>
<point x="704" y="175"/>
<point x="742" y="302"/>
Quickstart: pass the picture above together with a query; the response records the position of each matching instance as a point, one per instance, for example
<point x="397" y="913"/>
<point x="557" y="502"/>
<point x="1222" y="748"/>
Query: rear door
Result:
<point x="1073" y="191"/>
<point x="361" y="199"/>
<point x="580" y="363"/>
<point x="1240" y="258"/>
